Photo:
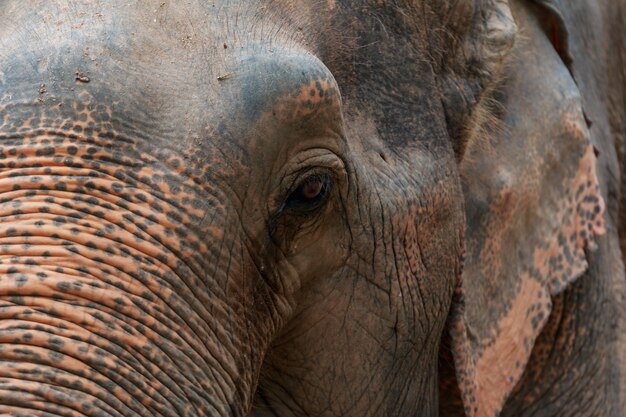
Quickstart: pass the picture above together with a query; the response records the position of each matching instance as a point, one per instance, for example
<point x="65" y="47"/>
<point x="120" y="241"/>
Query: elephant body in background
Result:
<point x="320" y="208"/>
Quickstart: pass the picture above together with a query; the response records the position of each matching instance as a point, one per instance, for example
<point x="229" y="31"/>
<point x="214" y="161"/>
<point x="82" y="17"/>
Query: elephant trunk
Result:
<point x="114" y="296"/>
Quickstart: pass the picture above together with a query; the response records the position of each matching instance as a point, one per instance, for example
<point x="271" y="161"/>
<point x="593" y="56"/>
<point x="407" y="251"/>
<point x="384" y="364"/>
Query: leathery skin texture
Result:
<point x="543" y="276"/>
<point x="100" y="246"/>
<point x="305" y="208"/>
<point x="124" y="266"/>
<point x="156" y="264"/>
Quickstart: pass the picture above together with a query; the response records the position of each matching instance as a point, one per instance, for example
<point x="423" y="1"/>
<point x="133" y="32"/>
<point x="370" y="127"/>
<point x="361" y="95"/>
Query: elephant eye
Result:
<point x="310" y="194"/>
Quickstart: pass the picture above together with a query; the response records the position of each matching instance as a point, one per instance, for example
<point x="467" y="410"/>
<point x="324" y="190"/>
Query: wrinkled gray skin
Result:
<point x="264" y="207"/>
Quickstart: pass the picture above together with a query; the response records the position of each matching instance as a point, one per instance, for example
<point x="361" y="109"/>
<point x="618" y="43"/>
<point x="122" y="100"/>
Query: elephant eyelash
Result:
<point x="310" y="194"/>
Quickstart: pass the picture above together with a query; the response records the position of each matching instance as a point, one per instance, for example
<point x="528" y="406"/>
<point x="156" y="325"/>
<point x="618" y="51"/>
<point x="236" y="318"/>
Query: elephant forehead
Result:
<point x="180" y="95"/>
<point x="171" y="47"/>
<point x="274" y="105"/>
<point x="290" y="87"/>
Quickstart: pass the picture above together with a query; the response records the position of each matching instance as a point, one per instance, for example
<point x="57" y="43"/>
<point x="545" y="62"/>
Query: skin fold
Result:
<point x="309" y="208"/>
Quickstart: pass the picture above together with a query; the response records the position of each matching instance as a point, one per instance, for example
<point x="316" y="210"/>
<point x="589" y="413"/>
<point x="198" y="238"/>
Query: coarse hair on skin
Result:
<point x="280" y="24"/>
<point x="485" y="124"/>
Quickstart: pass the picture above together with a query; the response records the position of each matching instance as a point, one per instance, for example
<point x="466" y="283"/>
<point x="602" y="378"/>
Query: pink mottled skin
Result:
<point x="295" y="208"/>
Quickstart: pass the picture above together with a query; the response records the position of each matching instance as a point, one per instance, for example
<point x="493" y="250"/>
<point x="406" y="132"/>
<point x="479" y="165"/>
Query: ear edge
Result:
<point x="483" y="391"/>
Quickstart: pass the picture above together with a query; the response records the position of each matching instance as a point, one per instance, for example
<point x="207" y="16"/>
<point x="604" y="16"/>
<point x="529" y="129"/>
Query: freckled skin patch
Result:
<point x="532" y="226"/>
<point x="144" y="271"/>
<point x="154" y="246"/>
<point x="490" y="370"/>
<point x="166" y="300"/>
<point x="317" y="95"/>
<point x="558" y="265"/>
<point x="99" y="246"/>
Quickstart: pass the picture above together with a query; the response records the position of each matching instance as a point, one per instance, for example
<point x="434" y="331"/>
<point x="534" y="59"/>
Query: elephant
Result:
<point x="312" y="208"/>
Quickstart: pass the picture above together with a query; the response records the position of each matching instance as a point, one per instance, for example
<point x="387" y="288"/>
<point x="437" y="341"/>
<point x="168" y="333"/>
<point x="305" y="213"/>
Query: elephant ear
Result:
<point x="533" y="207"/>
<point x="480" y="35"/>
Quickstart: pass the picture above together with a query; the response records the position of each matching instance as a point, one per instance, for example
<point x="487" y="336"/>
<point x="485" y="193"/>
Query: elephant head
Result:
<point x="264" y="207"/>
